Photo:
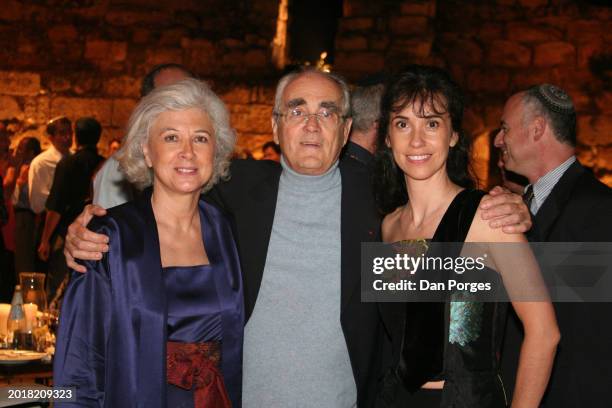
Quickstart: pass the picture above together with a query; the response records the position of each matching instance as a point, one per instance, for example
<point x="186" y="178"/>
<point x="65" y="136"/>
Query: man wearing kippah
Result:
<point x="538" y="140"/>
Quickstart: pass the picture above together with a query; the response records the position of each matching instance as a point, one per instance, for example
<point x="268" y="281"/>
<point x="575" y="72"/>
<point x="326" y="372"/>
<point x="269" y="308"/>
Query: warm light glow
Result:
<point x="481" y="155"/>
<point x="279" y="44"/>
<point x="322" y="65"/>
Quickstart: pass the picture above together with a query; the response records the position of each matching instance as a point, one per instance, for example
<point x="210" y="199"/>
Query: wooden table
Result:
<point x="36" y="372"/>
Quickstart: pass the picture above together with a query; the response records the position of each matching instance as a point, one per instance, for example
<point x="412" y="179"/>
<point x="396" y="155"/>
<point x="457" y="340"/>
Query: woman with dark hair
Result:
<point x="448" y="358"/>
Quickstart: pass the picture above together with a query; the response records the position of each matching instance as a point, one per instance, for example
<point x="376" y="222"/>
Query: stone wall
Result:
<point x="87" y="57"/>
<point x="80" y="57"/>
<point x="494" y="48"/>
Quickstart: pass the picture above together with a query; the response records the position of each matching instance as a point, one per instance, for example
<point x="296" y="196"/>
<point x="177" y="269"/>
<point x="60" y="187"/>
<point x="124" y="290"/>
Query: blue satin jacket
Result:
<point x="111" y="342"/>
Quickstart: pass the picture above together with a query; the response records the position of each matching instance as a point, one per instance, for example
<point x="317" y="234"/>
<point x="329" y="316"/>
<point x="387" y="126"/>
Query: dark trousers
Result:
<point x="25" y="241"/>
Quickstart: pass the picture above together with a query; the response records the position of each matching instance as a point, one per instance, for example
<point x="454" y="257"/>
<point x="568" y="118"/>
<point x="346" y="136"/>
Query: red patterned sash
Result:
<point x="195" y="366"/>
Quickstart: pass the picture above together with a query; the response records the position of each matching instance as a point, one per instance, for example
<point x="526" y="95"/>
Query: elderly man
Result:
<point x="309" y="340"/>
<point x="538" y="141"/>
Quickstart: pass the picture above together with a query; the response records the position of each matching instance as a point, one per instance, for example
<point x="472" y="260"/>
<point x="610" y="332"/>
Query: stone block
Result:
<point x="201" y="61"/>
<point x="582" y="101"/>
<point x="57" y="84"/>
<point x="604" y="101"/>
<point x="493" y="114"/>
<point x="462" y="52"/>
<point x="122" y="109"/>
<point x="157" y="56"/>
<point x="524" y="32"/>
<point x="123" y="85"/>
<point x="9" y="108"/>
<point x="251" y="118"/>
<point x="508" y="54"/>
<point x="473" y="121"/>
<point x="589" y="50"/>
<point x="140" y="35"/>
<point x="37" y="109"/>
<point x="87" y="84"/>
<point x="12" y="10"/>
<point x="363" y="62"/>
<point x="378" y="42"/>
<point x="232" y="43"/>
<point x="523" y="79"/>
<point x="171" y="37"/>
<point x="490" y="31"/>
<point x="604" y="158"/>
<point x="126" y="18"/>
<point x="420" y="48"/>
<point x="19" y="83"/>
<point x="554" y="53"/>
<point x="418" y="8"/>
<point x="74" y="108"/>
<point x="356" y="24"/>
<point x="560" y="22"/>
<point x="581" y="31"/>
<point x="63" y="33"/>
<point x="409" y="25"/>
<point x="595" y="130"/>
<point x="237" y="95"/>
<point x="350" y="43"/>
<point x="256" y="59"/>
<point x="114" y="51"/>
<point x="533" y="3"/>
<point x="233" y="61"/>
<point x="360" y="8"/>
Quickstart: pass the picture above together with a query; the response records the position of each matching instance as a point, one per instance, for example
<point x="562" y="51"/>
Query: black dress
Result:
<point x="456" y="341"/>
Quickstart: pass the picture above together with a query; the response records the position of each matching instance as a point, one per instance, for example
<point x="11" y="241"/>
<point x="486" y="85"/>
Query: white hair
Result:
<point x="345" y="103"/>
<point x="186" y="94"/>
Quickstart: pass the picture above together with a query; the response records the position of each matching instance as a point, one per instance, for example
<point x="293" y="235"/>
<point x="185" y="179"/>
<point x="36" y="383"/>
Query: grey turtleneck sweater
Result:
<point x="295" y="354"/>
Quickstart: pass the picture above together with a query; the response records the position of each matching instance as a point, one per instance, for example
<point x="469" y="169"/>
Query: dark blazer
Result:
<point x="578" y="209"/>
<point x="249" y="197"/>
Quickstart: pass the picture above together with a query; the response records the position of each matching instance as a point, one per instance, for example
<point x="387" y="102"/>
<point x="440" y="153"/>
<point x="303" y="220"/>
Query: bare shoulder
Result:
<point x="390" y="225"/>
<point x="481" y="231"/>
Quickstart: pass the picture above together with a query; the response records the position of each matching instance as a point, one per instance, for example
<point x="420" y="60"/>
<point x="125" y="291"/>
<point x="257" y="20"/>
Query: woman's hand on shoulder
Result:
<point x="82" y="243"/>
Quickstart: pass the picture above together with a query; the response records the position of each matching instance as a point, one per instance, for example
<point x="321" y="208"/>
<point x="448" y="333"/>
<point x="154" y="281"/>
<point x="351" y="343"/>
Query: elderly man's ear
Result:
<point x="348" y="123"/>
<point x="537" y="128"/>
<point x="274" y="130"/>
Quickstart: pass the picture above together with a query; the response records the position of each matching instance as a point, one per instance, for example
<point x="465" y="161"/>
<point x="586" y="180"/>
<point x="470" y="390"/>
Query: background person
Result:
<point x="70" y="189"/>
<point x="538" y="140"/>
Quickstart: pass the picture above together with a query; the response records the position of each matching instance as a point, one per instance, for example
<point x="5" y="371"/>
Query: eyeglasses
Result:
<point x="325" y="116"/>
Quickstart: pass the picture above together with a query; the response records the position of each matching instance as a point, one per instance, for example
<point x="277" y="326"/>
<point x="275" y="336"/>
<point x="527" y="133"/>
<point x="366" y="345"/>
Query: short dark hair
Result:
<point x="424" y="87"/>
<point x="273" y="145"/>
<point x="148" y="82"/>
<point x="562" y="122"/>
<point x="32" y="144"/>
<point x="87" y="131"/>
<point x="55" y="123"/>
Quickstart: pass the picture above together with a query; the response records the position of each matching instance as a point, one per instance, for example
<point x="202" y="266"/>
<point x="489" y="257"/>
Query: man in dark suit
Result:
<point x="538" y="139"/>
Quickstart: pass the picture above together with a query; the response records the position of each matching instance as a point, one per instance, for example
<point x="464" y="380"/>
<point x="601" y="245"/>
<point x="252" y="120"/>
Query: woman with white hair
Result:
<point x="158" y="320"/>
